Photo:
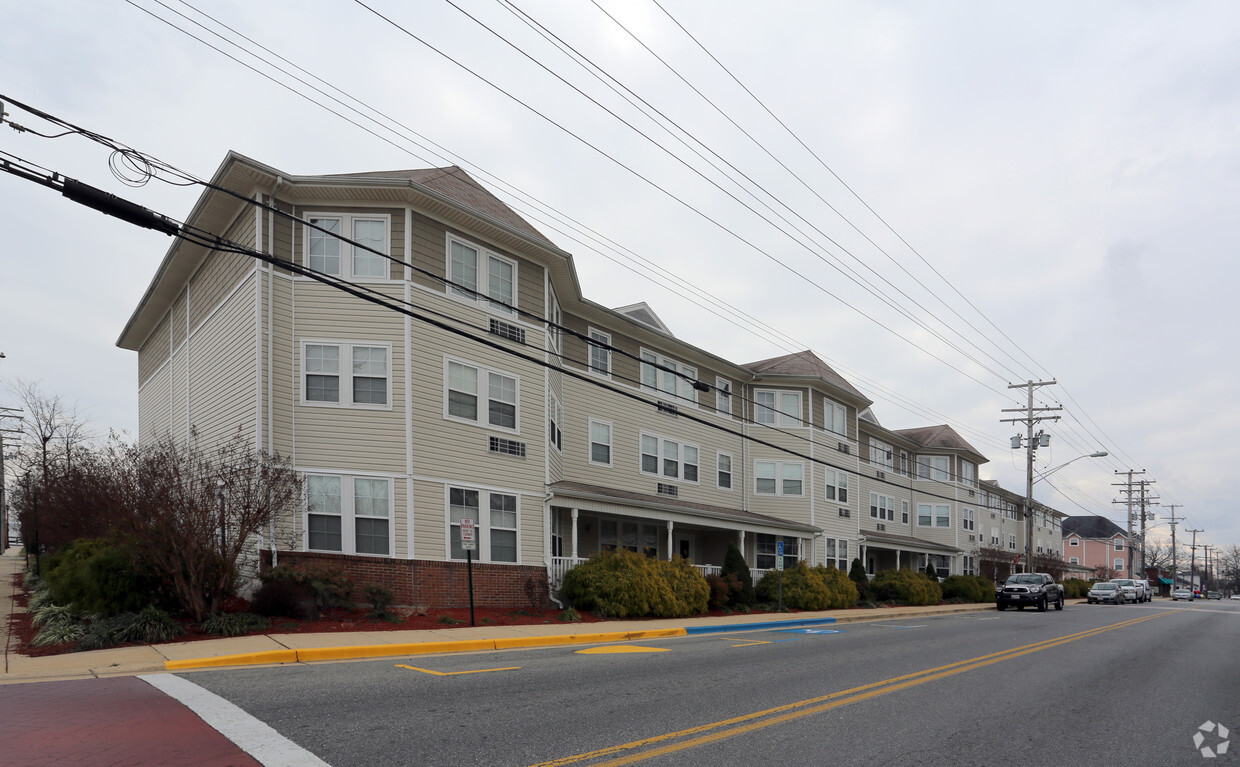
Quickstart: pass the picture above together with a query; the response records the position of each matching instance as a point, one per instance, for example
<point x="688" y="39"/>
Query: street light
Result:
<point x="1045" y="474"/>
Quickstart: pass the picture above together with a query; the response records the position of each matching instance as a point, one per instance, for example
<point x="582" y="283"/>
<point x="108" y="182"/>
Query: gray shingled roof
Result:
<point x="460" y="186"/>
<point x="804" y="364"/>
<point x="1091" y="526"/>
<point x="943" y="437"/>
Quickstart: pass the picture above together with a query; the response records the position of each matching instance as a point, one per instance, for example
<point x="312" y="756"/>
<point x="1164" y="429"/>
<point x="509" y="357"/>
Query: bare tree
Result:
<point x="995" y="564"/>
<point x="191" y="513"/>
<point x="1051" y="563"/>
<point x="1104" y="573"/>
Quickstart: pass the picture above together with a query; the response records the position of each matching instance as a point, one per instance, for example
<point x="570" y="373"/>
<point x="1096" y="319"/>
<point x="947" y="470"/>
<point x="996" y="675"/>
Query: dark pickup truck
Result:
<point x="1029" y="590"/>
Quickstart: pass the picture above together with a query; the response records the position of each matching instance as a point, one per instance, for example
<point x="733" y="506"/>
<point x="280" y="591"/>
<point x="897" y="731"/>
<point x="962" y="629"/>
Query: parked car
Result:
<point x="1145" y="588"/>
<point x="1236" y="597"/>
<point x="1214" y="595"/>
<point x="1105" y="592"/>
<point x="1179" y="594"/>
<point x="1029" y="590"/>
<point x="1132" y="590"/>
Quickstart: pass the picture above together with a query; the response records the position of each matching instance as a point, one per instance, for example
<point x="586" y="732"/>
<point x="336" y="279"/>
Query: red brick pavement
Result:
<point x="120" y="721"/>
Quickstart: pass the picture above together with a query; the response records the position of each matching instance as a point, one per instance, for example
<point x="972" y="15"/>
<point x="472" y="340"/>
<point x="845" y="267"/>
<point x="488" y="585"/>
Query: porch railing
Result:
<point x="561" y="565"/>
<point x="710" y="569"/>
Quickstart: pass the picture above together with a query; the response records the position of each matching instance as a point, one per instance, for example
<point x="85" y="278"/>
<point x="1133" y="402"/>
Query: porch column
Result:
<point x="574" y="533"/>
<point x="671" y="550"/>
<point x="897" y="559"/>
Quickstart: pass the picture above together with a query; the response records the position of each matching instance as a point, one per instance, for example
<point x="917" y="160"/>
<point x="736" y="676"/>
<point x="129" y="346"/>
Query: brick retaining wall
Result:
<point x="427" y="583"/>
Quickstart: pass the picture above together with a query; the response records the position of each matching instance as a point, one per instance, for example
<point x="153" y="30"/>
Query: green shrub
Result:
<point x="624" y="584"/>
<point x="734" y="564"/>
<point x="100" y="577"/>
<point x="809" y="588"/>
<point x="857" y="574"/>
<point x="51" y="614"/>
<point x="907" y="587"/>
<point x="284" y="599"/>
<point x="1077" y="588"/>
<point x="968" y="588"/>
<point x="380" y="598"/>
<point x="570" y="615"/>
<point x="328" y="586"/>
<point x="234" y="624"/>
<point x="59" y="633"/>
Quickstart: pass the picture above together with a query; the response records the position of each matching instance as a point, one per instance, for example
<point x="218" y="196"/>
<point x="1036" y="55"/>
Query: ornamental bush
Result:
<point x="1077" y="588"/>
<point x="906" y="587"/>
<point x="734" y="564"/>
<point x="101" y="578"/>
<point x="968" y="588"/>
<point x="809" y="588"/>
<point x="625" y="584"/>
<point x="857" y="574"/>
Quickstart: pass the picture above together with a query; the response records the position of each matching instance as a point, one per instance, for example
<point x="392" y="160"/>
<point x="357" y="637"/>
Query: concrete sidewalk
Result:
<point x="275" y="649"/>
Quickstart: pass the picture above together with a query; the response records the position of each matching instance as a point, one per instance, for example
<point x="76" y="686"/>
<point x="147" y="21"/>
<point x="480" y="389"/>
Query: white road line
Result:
<point x="256" y="738"/>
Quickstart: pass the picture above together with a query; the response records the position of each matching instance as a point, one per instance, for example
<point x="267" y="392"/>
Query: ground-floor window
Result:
<point x="633" y="536"/>
<point x="766" y="548"/>
<point x="349" y="514"/>
<point x="837" y="553"/>
<point x="495" y="534"/>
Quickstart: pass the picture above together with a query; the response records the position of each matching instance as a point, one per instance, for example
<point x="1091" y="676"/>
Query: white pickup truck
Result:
<point x="1134" y="590"/>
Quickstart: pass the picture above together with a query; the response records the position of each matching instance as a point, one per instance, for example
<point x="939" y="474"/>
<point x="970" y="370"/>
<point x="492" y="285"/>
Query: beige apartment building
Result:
<point x="481" y="384"/>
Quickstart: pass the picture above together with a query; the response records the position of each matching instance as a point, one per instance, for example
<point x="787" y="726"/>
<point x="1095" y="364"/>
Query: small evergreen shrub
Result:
<point x="328" y="587"/>
<point x="102" y="578"/>
<point x="234" y="624"/>
<point x="1075" y="588"/>
<point x="624" y="584"/>
<point x="284" y="599"/>
<point x="857" y="574"/>
<point x="380" y="598"/>
<point x="734" y="565"/>
<point x="968" y="588"/>
<point x="570" y="615"/>
<point x="907" y="587"/>
<point x="809" y="588"/>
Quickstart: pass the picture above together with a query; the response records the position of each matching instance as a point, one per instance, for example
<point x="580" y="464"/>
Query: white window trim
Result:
<point x="482" y="525"/>
<point x="881" y="511"/>
<point x="1074" y="560"/>
<point x="780" y="418"/>
<point x="731" y="472"/>
<point x="346" y="373"/>
<point x="886" y="454"/>
<point x="1119" y="564"/>
<point x="484" y="396"/>
<point x="830" y="406"/>
<point x="602" y="344"/>
<point x="723" y="398"/>
<point x="779" y="478"/>
<point x="346" y="250"/>
<point x="1074" y="542"/>
<point x="348" y="527"/>
<point x="662" y="456"/>
<point x="555" y="419"/>
<point x="611" y="442"/>
<point x="482" y="288"/>
<point x="684" y="395"/>
<point x="925" y="463"/>
<point x="837" y="481"/>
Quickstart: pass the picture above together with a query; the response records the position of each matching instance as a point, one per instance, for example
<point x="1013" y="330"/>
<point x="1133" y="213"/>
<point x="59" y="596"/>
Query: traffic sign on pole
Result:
<point x="468" y="537"/>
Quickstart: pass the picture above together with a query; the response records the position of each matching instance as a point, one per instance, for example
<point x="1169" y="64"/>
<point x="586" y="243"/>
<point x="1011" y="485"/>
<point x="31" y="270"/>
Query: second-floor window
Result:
<point x="837" y="486"/>
<point x="777" y="408"/>
<point x="937" y="515"/>
<point x="481" y="396"/>
<point x="600" y="353"/>
<point x="327" y="253"/>
<point x="478" y="275"/>
<point x="880" y="454"/>
<point x="346" y="374"/>
<point x="669" y="458"/>
<point x="1119" y="544"/>
<point x="723" y="463"/>
<point x="600" y="442"/>
<point x="835" y="418"/>
<point x="966" y="519"/>
<point x="936" y="467"/>
<point x="882" y="507"/>
<point x="778" y="477"/>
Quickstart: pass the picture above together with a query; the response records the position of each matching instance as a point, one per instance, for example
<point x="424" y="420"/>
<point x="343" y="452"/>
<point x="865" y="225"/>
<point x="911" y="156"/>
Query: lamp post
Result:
<point x="1045" y="474"/>
<point x="1029" y="501"/>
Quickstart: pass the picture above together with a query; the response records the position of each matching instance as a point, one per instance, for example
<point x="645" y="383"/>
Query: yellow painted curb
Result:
<point x="243" y="659"/>
<point x="381" y="650"/>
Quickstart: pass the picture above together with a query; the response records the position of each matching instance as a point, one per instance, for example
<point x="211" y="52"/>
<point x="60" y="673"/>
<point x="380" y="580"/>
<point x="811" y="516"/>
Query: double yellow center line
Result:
<point x="716" y="731"/>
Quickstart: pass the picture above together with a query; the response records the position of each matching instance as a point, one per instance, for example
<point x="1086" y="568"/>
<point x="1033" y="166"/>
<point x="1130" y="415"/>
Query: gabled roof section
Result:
<point x="942" y="437"/>
<point x="805" y="364"/>
<point x="641" y="312"/>
<point x="456" y="184"/>
<point x="1091" y="526"/>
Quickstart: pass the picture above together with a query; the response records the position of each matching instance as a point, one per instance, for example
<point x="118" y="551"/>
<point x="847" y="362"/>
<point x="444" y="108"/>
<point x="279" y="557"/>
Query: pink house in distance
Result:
<point x="1091" y="541"/>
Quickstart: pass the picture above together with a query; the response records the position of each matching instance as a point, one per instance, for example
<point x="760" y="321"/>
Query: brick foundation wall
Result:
<point x="427" y="583"/>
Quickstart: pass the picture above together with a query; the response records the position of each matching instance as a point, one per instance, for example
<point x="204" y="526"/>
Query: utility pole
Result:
<point x="1144" y="501"/>
<point x="1173" y="519"/>
<point x="1128" y="491"/>
<point x="1205" y="582"/>
<point x="1031" y="446"/>
<point x="5" y="412"/>
<point x="1193" y="562"/>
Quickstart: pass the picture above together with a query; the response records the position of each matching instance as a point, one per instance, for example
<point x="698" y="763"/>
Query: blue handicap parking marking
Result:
<point x="810" y="631"/>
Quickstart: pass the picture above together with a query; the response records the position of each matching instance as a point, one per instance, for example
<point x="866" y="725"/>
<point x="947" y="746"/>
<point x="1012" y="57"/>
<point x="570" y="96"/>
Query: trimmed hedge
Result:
<point x="968" y="588"/>
<point x="98" y="577"/>
<point x="1077" y="588"/>
<point x="625" y="584"/>
<point x="809" y="588"/>
<point x="906" y="587"/>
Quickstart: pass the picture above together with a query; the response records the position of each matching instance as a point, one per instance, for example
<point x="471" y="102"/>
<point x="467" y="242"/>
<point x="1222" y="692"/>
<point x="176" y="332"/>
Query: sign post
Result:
<point x="779" y="565"/>
<point x="469" y="543"/>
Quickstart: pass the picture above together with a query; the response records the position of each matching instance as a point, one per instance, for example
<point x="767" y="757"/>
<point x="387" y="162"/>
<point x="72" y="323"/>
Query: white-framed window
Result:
<point x="600" y="442"/>
<point x="766" y="550"/>
<point x="881" y="454"/>
<point x="968" y="473"/>
<point x="1119" y="544"/>
<point x="668" y="458"/>
<point x="837" y="553"/>
<point x="1074" y="560"/>
<point x="346" y="374"/>
<point x="882" y="507"/>
<point x="723" y="467"/>
<point x="555" y="317"/>
<point x="779" y="477"/>
<point x="1119" y="564"/>
<point x="663" y="374"/>
<point x="1012" y="541"/>
<point x="934" y="514"/>
<point x="837" y="485"/>
<point x="348" y="514"/>
<point x="936" y="467"/>
<point x="495" y="530"/>
<point x="904" y="512"/>
<point x="555" y="421"/>
<point x="478" y="274"/>
<point x="835" y="417"/>
<point x="723" y="397"/>
<point x="600" y="353"/>
<point x="966" y="519"/>
<point x="326" y="252"/>
<point x="1074" y="542"/>
<point x="633" y="536"/>
<point x="481" y="396"/>
<point x="777" y="408"/>
<point x="996" y="538"/>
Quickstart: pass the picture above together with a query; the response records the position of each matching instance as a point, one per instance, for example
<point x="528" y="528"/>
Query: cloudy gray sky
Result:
<point x="986" y="193"/>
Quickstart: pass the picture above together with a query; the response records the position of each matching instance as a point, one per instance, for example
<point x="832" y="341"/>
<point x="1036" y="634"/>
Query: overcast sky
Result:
<point x="1046" y="191"/>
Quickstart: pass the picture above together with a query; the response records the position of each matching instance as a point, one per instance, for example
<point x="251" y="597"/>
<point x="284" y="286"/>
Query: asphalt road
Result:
<point x="1096" y="685"/>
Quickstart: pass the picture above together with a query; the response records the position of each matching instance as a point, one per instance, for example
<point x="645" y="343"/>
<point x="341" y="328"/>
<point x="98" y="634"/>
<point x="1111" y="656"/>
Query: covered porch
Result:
<point x="585" y="520"/>
<point x="884" y="551"/>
